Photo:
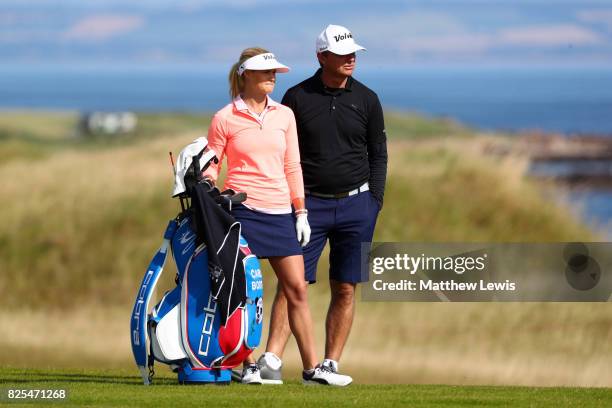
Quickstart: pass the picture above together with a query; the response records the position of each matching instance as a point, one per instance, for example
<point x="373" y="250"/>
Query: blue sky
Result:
<point x="396" y="33"/>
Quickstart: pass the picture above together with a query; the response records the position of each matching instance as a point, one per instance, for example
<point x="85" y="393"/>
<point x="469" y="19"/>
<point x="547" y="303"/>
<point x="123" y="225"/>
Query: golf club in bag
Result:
<point x="212" y="320"/>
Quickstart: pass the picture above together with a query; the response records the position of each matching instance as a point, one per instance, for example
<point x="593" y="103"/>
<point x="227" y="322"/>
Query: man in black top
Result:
<point x="343" y="151"/>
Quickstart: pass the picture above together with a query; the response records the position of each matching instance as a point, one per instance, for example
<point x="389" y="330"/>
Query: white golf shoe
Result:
<point x="250" y="375"/>
<point x="323" y="375"/>
<point x="270" y="366"/>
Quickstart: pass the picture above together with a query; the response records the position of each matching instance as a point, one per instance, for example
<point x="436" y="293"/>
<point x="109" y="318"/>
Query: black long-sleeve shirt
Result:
<point x="341" y="134"/>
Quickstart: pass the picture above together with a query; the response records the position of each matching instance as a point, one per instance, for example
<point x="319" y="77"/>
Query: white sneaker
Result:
<point x="251" y="375"/>
<point x="323" y="375"/>
<point x="270" y="367"/>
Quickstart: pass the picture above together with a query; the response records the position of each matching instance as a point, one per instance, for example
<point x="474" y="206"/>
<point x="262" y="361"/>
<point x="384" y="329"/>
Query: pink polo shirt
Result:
<point x="263" y="157"/>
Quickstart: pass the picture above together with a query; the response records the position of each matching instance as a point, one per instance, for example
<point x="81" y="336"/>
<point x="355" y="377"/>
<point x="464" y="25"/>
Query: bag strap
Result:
<point x="138" y="323"/>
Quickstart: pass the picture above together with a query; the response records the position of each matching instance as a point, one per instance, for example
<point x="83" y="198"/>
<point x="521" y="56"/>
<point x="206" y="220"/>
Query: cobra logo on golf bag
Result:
<point x="187" y="239"/>
<point x="138" y="307"/>
<point x="198" y="313"/>
<point x="209" y="321"/>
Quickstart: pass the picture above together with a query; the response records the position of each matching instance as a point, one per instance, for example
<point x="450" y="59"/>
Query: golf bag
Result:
<point x="187" y="329"/>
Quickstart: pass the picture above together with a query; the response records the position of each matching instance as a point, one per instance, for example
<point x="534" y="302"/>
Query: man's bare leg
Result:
<point x="339" y="318"/>
<point x="337" y="325"/>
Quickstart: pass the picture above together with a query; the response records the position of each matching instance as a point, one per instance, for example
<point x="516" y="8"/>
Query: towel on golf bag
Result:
<point x="221" y="234"/>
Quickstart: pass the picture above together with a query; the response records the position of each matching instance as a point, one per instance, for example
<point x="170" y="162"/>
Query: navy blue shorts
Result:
<point x="346" y="222"/>
<point x="268" y="235"/>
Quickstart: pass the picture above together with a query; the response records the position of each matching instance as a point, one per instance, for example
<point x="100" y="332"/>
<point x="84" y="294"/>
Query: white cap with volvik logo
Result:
<point x="337" y="39"/>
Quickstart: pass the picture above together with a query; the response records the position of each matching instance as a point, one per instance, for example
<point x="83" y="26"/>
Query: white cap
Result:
<point x="337" y="39"/>
<point x="262" y="62"/>
<point x="184" y="161"/>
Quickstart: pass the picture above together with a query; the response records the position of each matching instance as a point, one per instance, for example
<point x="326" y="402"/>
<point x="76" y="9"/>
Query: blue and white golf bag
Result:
<point x="184" y="330"/>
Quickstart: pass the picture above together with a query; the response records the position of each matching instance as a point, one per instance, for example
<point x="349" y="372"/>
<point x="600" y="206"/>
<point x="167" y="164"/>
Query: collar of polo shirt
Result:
<point x="241" y="105"/>
<point x="262" y="62"/>
<point x="347" y="88"/>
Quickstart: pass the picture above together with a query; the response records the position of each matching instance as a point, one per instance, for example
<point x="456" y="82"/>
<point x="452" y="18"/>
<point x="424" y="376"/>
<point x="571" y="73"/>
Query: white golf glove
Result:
<point x="303" y="229"/>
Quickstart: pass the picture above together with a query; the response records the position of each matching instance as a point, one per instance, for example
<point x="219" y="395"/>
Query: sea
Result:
<point x="559" y="99"/>
<point x="570" y="100"/>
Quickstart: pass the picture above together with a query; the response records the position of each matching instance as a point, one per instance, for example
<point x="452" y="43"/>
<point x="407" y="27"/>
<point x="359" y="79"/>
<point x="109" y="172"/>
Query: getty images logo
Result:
<point x="344" y="36"/>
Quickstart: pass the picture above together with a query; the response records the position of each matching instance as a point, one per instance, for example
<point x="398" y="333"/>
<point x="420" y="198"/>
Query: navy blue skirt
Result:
<point x="268" y="235"/>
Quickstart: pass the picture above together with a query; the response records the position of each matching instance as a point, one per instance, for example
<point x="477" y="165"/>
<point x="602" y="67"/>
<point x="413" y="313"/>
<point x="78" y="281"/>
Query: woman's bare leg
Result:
<point x="290" y="273"/>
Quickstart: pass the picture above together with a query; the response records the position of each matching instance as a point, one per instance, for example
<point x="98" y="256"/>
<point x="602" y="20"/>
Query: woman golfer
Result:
<point x="258" y="137"/>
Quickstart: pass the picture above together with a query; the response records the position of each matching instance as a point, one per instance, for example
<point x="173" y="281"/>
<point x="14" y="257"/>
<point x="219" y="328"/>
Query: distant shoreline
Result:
<point x="570" y="100"/>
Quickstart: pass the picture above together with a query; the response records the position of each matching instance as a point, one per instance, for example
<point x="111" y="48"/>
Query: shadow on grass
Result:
<point x="55" y="377"/>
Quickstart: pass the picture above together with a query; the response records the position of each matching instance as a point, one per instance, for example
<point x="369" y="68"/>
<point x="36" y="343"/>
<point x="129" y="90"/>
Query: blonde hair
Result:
<point x="236" y="82"/>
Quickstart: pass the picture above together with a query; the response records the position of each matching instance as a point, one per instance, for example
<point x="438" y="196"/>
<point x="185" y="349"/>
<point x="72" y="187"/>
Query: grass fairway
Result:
<point x="122" y="389"/>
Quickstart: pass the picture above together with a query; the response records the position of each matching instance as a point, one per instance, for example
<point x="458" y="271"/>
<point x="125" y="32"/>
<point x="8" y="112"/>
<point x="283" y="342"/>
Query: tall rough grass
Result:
<point x="83" y="223"/>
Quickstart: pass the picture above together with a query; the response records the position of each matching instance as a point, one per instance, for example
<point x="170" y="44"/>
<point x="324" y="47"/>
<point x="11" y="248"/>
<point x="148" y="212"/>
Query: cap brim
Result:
<point x="349" y="49"/>
<point x="280" y="68"/>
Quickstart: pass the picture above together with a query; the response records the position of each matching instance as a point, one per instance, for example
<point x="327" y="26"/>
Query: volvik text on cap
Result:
<point x="262" y="62"/>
